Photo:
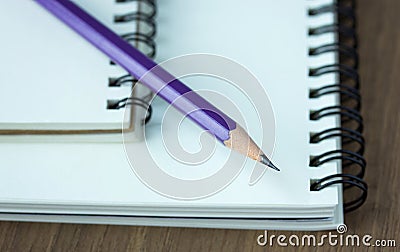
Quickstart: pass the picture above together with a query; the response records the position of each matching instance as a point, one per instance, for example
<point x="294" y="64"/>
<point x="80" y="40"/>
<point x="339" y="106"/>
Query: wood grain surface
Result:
<point x="379" y="48"/>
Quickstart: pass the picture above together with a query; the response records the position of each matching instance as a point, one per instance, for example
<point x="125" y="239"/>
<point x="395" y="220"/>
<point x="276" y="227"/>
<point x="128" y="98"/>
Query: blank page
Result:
<point x="266" y="37"/>
<point x="51" y="78"/>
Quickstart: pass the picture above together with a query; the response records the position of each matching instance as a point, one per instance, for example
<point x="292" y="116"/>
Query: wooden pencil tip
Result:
<point x="264" y="160"/>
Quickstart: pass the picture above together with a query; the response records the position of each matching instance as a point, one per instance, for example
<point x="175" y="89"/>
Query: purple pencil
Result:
<point x="160" y="81"/>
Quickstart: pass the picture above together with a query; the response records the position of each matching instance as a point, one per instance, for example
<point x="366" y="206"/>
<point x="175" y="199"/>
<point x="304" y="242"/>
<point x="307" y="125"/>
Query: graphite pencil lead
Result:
<point x="265" y="160"/>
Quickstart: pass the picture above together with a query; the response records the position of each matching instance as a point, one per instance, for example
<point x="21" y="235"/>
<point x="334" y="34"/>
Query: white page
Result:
<point x="50" y="77"/>
<point x="271" y="41"/>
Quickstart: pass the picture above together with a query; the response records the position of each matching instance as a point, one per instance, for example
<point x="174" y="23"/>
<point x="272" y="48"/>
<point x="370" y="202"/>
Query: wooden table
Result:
<point x="379" y="47"/>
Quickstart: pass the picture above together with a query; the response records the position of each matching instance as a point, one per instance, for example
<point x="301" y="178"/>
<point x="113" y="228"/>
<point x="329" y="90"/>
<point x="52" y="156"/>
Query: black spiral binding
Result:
<point x="144" y="39"/>
<point x="350" y="131"/>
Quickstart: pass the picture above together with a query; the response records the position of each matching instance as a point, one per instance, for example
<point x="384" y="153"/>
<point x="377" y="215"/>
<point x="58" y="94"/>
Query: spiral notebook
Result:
<point x="56" y="86"/>
<point x="304" y="55"/>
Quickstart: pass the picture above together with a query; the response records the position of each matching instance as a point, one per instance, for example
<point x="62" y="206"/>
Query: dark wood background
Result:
<point x="379" y="48"/>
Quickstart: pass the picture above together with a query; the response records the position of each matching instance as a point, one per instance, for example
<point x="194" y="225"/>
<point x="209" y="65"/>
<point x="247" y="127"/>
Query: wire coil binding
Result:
<point x="142" y="38"/>
<point x="350" y="131"/>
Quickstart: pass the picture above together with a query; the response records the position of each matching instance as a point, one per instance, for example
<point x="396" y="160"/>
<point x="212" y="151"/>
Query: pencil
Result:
<point x="226" y="130"/>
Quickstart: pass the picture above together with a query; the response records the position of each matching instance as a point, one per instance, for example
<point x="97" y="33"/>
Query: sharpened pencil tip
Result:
<point x="264" y="160"/>
<point x="274" y="167"/>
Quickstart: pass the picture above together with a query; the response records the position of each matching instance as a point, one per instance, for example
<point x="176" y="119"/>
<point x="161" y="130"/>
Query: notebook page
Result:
<point x="272" y="43"/>
<point x="51" y="78"/>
